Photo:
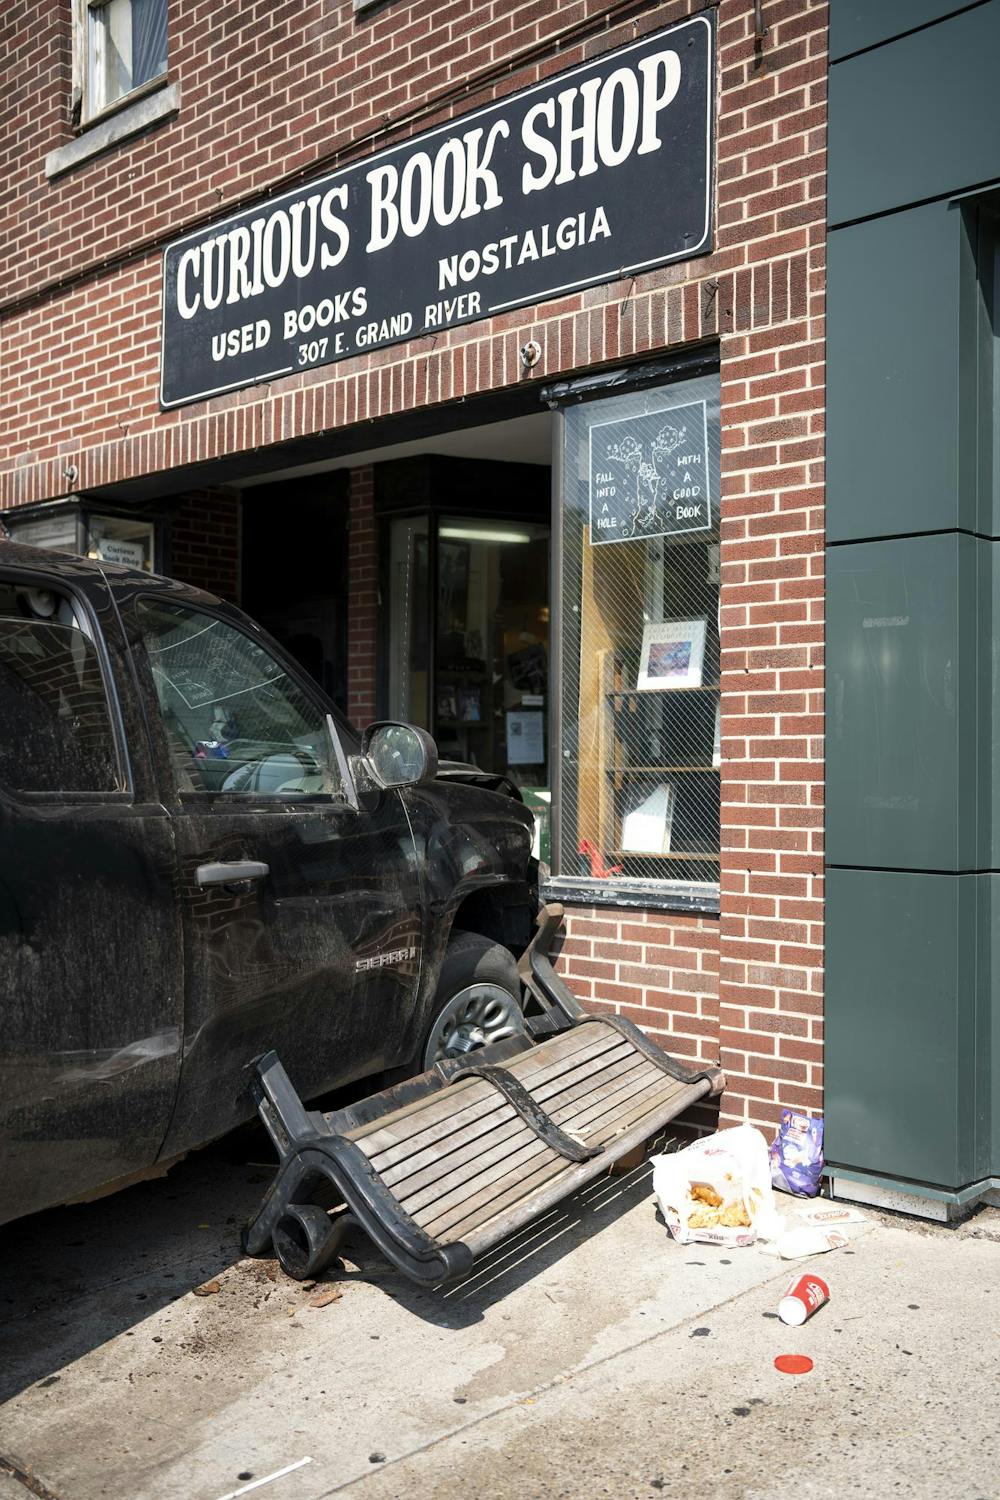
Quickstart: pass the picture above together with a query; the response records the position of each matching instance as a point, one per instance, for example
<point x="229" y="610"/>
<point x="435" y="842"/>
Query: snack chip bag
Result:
<point x="717" y="1191"/>
<point x="797" y="1154"/>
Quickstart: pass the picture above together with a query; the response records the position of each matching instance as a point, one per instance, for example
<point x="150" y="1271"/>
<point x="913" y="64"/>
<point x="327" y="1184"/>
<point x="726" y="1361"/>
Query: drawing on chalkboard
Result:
<point x="649" y="475"/>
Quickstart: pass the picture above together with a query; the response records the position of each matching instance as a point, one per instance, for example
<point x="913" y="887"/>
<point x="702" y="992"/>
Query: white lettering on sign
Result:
<point x="449" y="226"/>
<point x="438" y="314"/>
<point x="516" y="249"/>
<point x="339" y="308"/>
<point x="446" y="186"/>
<point x="241" y="262"/>
<point x="571" y="134"/>
<point x="241" y="340"/>
<point x="396" y="327"/>
<point x="574" y="131"/>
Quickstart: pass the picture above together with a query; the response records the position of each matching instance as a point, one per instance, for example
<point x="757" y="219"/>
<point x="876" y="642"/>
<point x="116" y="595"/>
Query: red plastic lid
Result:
<point x="793" y="1364"/>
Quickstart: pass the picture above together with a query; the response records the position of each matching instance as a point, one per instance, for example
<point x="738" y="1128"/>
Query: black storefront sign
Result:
<point x="596" y="173"/>
<point x="650" y="475"/>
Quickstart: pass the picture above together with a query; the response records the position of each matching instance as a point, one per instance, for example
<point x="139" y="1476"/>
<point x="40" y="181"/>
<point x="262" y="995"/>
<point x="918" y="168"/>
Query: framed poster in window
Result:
<point x="672" y="654"/>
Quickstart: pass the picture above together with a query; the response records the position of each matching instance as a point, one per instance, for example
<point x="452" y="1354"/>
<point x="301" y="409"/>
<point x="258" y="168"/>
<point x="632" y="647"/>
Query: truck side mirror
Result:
<point x="399" y="754"/>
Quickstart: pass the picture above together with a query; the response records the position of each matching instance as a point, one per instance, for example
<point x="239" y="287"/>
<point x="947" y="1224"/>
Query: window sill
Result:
<point x="113" y="126"/>
<point x="692" y="899"/>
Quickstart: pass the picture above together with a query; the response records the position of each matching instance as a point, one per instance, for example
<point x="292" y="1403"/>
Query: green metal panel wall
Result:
<point x="902" y="346"/>
<point x="855" y="24"/>
<point x="918" y="118"/>
<point x="913" y="707"/>
<point x="903" y="703"/>
<point x="901" y="948"/>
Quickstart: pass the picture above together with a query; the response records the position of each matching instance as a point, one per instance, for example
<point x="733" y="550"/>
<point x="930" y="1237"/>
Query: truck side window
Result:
<point x="235" y="720"/>
<point x="58" y="735"/>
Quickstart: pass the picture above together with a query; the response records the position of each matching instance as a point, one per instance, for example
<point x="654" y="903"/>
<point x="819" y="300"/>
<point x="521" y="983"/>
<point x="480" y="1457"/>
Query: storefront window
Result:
<point x="639" y="761"/>
<point x="117" y="539"/>
<point x="60" y="531"/>
<point x="67" y="526"/>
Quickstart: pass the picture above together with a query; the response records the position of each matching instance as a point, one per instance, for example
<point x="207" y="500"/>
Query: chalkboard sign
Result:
<point x="650" y="475"/>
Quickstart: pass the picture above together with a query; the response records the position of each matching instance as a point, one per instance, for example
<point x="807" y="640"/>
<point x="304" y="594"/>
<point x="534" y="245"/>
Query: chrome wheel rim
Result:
<point x="476" y="1016"/>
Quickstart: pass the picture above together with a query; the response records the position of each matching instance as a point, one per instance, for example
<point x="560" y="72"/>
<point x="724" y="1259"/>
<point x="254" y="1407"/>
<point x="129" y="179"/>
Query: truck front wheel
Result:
<point x="478" y="999"/>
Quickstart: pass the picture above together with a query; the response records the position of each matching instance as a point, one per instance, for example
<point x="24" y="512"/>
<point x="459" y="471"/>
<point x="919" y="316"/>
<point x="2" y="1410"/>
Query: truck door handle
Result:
<point x="231" y="872"/>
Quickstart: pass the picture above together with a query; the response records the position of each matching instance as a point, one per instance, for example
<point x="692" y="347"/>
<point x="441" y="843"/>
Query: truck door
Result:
<point x="90" y="981"/>
<point x="301" y="911"/>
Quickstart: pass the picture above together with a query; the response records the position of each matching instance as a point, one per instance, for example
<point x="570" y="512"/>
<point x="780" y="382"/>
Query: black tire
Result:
<point x="479" y="991"/>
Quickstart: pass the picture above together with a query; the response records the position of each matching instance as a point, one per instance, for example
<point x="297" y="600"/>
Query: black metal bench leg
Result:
<point x="306" y="1239"/>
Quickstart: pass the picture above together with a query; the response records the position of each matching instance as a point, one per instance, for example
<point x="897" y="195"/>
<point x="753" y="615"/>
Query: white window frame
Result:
<point x="84" y="107"/>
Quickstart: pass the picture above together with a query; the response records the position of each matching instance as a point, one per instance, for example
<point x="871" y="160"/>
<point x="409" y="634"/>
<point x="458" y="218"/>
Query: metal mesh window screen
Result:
<point x="639" y="800"/>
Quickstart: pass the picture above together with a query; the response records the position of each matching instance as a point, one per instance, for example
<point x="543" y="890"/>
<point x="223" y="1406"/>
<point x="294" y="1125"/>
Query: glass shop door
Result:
<point x="468" y="617"/>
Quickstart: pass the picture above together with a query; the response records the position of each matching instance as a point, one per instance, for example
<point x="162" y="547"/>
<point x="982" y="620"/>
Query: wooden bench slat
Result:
<point x="470" y="1126"/>
<point x="488" y="1206"/>
<point x="422" y="1113"/>
<point x="493" y="1152"/>
<point x="478" y="1152"/>
<point x="447" y="1122"/>
<point x="590" y="1122"/>
<point x="430" y="1163"/>
<point x="542" y="1197"/>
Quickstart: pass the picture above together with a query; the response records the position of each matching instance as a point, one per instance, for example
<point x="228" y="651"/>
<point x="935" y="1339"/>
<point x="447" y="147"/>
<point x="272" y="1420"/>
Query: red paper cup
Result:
<point x="805" y="1296"/>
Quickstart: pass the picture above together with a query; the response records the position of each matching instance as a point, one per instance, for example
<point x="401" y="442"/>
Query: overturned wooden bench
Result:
<point x="442" y="1167"/>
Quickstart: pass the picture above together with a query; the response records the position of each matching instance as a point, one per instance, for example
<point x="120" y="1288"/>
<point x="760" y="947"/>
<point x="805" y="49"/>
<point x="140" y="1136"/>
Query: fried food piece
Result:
<point x="703" y="1217"/>
<point x="705" y="1194"/>
<point x="734" y="1217"/>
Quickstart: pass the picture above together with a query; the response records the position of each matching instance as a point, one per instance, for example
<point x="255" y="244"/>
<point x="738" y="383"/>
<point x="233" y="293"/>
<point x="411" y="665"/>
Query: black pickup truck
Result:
<point x="201" y="862"/>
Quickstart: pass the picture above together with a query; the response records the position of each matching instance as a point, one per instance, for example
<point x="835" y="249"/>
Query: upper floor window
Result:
<point x="122" y="46"/>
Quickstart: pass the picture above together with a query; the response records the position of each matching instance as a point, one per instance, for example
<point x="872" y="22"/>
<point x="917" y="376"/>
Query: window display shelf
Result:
<point x="655" y="750"/>
<point x="644" y="693"/>
<point x="673" y="854"/>
<point x="625" y="770"/>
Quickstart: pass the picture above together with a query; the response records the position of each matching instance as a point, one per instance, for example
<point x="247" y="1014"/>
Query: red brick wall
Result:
<point x="362" y="576"/>
<point x="660" y="971"/>
<point x="205" y="542"/>
<point x="271" y="91"/>
<point x="763" y="1015"/>
<point x="772" y="184"/>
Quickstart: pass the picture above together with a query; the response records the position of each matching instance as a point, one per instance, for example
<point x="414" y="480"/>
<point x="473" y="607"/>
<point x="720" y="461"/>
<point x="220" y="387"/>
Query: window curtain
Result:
<point x="149" y="40"/>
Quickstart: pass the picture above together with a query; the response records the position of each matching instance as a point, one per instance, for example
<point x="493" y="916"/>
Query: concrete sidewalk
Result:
<point x="589" y="1356"/>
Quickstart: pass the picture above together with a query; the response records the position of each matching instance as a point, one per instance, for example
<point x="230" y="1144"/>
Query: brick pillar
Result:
<point x="205" y="542"/>
<point x="362" y="598"/>
<point x="772" y="176"/>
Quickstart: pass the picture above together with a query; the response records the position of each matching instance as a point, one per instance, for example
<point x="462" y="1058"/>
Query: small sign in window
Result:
<point x="650" y="475"/>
